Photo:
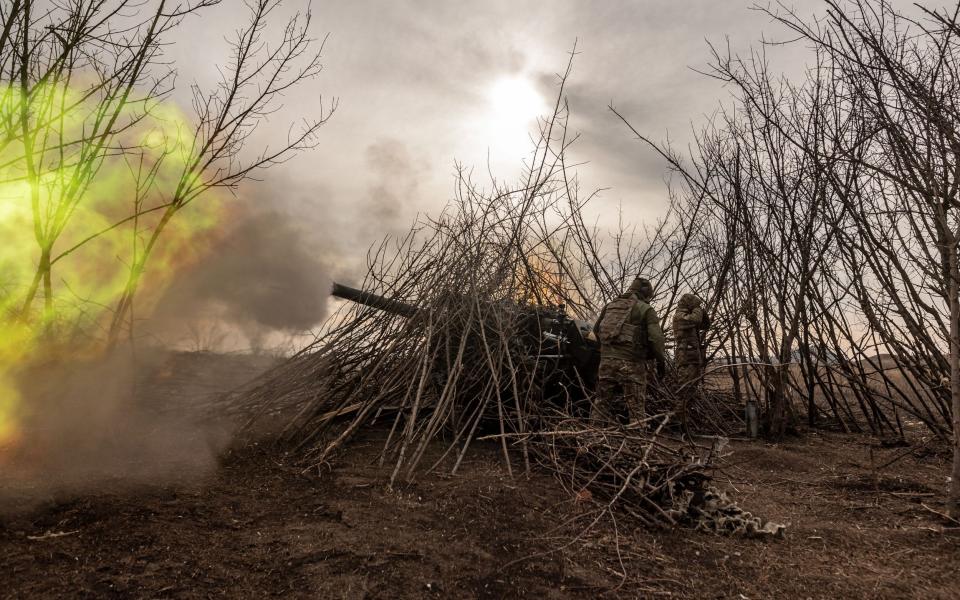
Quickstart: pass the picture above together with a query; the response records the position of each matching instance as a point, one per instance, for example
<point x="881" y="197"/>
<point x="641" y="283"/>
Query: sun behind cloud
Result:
<point x="514" y="105"/>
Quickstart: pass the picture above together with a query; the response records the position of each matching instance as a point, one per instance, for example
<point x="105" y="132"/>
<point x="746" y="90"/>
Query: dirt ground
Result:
<point x="256" y="526"/>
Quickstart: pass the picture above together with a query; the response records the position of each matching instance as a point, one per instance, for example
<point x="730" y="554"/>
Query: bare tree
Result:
<point x="249" y="91"/>
<point x="76" y="83"/>
<point x="86" y="100"/>
<point x="839" y="194"/>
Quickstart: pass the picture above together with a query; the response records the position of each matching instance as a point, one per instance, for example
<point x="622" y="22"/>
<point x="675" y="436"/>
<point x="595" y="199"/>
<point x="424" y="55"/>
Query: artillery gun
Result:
<point x="563" y="352"/>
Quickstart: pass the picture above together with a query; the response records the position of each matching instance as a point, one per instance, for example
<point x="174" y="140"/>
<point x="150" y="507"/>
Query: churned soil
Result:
<point x="260" y="527"/>
<point x="256" y="525"/>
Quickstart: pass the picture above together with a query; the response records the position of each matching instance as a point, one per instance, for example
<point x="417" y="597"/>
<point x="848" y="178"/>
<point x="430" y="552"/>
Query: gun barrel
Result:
<point x="373" y="300"/>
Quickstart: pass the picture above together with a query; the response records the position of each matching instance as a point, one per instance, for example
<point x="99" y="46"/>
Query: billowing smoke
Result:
<point x="264" y="279"/>
<point x="88" y="421"/>
<point x="97" y="424"/>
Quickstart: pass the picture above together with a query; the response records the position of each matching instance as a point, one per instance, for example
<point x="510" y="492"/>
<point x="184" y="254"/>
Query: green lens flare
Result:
<point x="93" y="200"/>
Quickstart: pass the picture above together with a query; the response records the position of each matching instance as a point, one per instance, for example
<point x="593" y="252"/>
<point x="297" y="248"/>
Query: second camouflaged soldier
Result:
<point x="690" y="320"/>
<point x="630" y="341"/>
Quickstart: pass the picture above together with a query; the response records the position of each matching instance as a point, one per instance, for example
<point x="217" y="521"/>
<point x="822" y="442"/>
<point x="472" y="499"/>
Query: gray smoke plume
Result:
<point x="263" y="277"/>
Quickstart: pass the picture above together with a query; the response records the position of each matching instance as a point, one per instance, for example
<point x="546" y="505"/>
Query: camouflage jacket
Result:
<point x="650" y="343"/>
<point x="689" y="321"/>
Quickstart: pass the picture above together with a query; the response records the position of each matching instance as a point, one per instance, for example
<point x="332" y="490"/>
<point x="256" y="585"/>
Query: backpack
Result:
<point x="614" y="328"/>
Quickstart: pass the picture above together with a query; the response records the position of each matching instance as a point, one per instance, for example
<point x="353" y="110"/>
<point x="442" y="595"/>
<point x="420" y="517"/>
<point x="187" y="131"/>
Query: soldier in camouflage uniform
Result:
<point x="630" y="340"/>
<point x="689" y="322"/>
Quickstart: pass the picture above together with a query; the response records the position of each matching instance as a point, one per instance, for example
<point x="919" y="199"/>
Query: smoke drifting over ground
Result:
<point x="90" y="426"/>
<point x="141" y="416"/>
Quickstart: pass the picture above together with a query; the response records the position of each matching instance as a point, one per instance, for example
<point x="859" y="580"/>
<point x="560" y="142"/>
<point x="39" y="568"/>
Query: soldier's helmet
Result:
<point x="689" y="302"/>
<point x="642" y="288"/>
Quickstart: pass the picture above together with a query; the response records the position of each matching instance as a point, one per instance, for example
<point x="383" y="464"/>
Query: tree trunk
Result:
<point x="953" y="501"/>
<point x="125" y="304"/>
<point x="45" y="267"/>
<point x="42" y="275"/>
<point x="777" y="425"/>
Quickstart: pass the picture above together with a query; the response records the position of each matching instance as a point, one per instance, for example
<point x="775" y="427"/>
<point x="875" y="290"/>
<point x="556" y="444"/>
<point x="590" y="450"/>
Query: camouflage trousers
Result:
<point x="689" y="370"/>
<point x="622" y="384"/>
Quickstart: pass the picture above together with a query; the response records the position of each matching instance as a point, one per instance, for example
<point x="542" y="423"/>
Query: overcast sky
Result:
<point x="422" y="84"/>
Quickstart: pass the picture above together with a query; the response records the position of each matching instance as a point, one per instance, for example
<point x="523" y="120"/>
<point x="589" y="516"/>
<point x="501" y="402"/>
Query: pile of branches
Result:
<point x="461" y="354"/>
<point x="636" y="471"/>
